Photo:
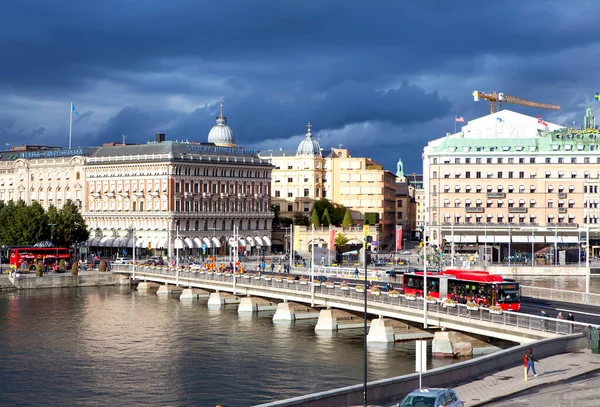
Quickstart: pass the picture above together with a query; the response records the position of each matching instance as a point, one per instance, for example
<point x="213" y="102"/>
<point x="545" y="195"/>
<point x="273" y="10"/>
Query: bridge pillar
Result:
<point x="167" y="289"/>
<point x="290" y="311"/>
<point x="147" y="285"/>
<point x="457" y="344"/>
<point x="193" y="294"/>
<point x="335" y="319"/>
<point x="391" y="330"/>
<point x="217" y="299"/>
<point x="255" y="304"/>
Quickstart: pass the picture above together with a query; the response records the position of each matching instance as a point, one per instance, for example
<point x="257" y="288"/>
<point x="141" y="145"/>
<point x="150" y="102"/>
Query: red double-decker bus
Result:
<point x="462" y="286"/>
<point x="30" y="256"/>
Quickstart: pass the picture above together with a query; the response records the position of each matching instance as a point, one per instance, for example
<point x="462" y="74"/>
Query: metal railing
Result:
<point x="390" y="302"/>
<point x="576" y="297"/>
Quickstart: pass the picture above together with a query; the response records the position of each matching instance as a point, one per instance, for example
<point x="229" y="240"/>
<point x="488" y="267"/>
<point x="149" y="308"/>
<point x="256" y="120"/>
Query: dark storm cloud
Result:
<point x="150" y="66"/>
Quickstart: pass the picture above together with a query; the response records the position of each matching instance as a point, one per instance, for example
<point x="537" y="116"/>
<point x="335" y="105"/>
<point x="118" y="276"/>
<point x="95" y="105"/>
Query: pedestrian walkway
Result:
<point x="551" y="370"/>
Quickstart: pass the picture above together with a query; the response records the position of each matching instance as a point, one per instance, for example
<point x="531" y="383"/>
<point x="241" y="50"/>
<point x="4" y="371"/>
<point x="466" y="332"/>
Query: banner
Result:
<point x="399" y="237"/>
<point x="297" y="238"/>
<point x="332" y="238"/>
<point x="365" y="230"/>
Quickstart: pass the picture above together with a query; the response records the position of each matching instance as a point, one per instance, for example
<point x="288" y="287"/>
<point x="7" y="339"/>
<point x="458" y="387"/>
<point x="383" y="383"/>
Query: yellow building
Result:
<point x="510" y="180"/>
<point x="310" y="173"/>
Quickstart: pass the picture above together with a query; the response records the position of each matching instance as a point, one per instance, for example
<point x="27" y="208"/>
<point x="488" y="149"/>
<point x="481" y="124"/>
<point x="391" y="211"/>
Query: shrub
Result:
<point x="62" y="265"/>
<point x="75" y="269"/>
<point x="39" y="270"/>
<point x="102" y="266"/>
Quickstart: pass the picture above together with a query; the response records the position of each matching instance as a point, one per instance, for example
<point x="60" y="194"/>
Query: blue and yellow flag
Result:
<point x="597" y="96"/>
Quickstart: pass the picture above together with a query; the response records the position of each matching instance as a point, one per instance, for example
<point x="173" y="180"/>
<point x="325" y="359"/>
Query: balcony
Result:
<point x="562" y="195"/>
<point x="499" y="195"/>
<point x="517" y="210"/>
<point x="474" y="209"/>
<point x="562" y="210"/>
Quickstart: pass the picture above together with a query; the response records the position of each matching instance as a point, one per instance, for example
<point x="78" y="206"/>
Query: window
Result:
<point x="499" y="174"/>
<point x="277" y="194"/>
<point x="510" y="174"/>
<point x="306" y="192"/>
<point x="478" y="160"/>
<point x="290" y="207"/>
<point x="290" y="194"/>
<point x="290" y="179"/>
<point x="521" y="174"/>
<point x="478" y="174"/>
<point x="532" y="160"/>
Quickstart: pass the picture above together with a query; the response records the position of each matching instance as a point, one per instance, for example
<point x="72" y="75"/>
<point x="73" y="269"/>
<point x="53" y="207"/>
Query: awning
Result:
<point x="162" y="243"/>
<point x="468" y="239"/>
<point x="96" y="241"/>
<point x="241" y="242"/>
<point x="231" y="242"/>
<point x="189" y="243"/>
<point x="117" y="242"/>
<point x="570" y="239"/>
<point x="156" y="242"/>
<point x="141" y="241"/>
<point x="258" y="241"/>
<point x="103" y="241"/>
<point x="485" y="239"/>
<point x="207" y="242"/>
<point x="250" y="241"/>
<point x="216" y="242"/>
<point x="553" y="239"/>
<point x="520" y="239"/>
<point x="179" y="243"/>
<point x="267" y="240"/>
<point x="502" y="239"/>
<point x="536" y="239"/>
<point x="197" y="242"/>
<point x="129" y="242"/>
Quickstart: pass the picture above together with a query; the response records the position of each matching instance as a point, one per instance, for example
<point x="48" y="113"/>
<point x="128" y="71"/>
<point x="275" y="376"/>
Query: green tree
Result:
<point x="314" y="218"/>
<point x="71" y="225"/>
<point x="326" y="219"/>
<point x="341" y="240"/>
<point x="276" y="215"/>
<point x="301" y="219"/>
<point x="336" y="211"/>
<point x="29" y="224"/>
<point x="371" y="218"/>
<point x="286" y="222"/>
<point x="347" y="222"/>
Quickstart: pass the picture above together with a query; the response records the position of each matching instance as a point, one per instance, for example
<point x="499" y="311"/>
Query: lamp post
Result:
<point x="365" y="237"/>
<point x="52" y="241"/>
<point x="177" y="243"/>
<point x="235" y="254"/>
<point x="587" y="265"/>
<point x="312" y="268"/>
<point x="213" y="240"/>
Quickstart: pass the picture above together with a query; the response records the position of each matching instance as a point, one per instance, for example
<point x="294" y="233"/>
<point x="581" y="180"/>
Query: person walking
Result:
<point x="531" y="362"/>
<point x="570" y="317"/>
<point x="560" y="316"/>
<point x="356" y="273"/>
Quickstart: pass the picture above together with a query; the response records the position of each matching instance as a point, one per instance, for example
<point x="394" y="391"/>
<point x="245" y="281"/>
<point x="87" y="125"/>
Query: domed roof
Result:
<point x="221" y="134"/>
<point x="309" y="146"/>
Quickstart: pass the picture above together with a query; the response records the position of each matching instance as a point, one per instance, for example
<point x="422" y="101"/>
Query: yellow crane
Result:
<point x="496" y="100"/>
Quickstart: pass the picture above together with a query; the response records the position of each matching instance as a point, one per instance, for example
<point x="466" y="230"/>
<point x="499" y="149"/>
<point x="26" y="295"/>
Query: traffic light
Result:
<point x="369" y="239"/>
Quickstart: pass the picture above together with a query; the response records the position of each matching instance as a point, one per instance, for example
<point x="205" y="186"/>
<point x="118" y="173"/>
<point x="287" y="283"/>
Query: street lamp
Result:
<point x="51" y="241"/>
<point x="213" y="240"/>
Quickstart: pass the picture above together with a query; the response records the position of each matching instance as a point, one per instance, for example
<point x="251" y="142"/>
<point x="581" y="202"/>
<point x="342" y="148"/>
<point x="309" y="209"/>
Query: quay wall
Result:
<point x="84" y="279"/>
<point x="393" y="389"/>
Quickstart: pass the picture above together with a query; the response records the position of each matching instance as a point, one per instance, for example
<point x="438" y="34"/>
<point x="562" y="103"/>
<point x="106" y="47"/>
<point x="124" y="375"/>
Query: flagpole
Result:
<point x="455" y="124"/>
<point x="70" y="123"/>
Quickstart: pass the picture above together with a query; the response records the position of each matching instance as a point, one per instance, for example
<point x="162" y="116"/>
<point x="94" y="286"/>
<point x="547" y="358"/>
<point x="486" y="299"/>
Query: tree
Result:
<point x="341" y="240"/>
<point x="347" y="222"/>
<point x="314" y="218"/>
<point x="336" y="212"/>
<point x="301" y="219"/>
<point x="326" y="219"/>
<point x="276" y="215"/>
<point x="72" y="227"/>
<point x="371" y="218"/>
<point x="285" y="221"/>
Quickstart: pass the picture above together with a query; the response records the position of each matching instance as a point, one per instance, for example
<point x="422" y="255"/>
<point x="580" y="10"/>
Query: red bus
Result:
<point x="31" y="255"/>
<point x="480" y="287"/>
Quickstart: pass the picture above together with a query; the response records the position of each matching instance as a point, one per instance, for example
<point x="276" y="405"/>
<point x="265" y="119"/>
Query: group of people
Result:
<point x="570" y="316"/>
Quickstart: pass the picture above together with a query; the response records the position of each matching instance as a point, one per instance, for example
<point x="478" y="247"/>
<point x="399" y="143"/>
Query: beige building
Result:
<point x="310" y="173"/>
<point x="510" y="180"/>
<point x="48" y="175"/>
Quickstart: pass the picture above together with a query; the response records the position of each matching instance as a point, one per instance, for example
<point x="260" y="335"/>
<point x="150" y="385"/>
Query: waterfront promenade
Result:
<point x="551" y="370"/>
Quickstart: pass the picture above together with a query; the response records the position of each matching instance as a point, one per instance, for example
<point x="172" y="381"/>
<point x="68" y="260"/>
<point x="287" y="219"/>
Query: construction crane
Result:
<point x="496" y="100"/>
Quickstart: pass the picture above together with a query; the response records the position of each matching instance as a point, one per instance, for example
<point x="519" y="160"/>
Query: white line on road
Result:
<point x="578" y="312"/>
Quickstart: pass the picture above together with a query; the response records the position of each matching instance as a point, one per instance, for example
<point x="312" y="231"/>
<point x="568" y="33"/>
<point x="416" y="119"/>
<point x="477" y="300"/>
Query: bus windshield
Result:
<point x="508" y="293"/>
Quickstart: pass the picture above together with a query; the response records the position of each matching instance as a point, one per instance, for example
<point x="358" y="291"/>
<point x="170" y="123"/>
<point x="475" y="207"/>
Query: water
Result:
<point x="111" y="346"/>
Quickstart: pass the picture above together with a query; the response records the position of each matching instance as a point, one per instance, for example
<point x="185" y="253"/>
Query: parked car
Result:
<point x="431" y="398"/>
<point x="155" y="261"/>
<point x="195" y="266"/>
<point x="123" y="260"/>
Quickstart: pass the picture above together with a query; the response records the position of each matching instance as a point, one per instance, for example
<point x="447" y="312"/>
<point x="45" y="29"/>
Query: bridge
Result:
<point x="511" y="326"/>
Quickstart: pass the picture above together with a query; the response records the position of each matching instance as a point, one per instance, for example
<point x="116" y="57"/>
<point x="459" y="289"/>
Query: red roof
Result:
<point x="454" y="272"/>
<point x="483" y="278"/>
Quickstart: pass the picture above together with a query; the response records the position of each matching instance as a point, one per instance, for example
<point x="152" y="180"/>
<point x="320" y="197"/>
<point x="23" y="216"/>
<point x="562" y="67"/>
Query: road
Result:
<point x="581" y="391"/>
<point x="583" y="313"/>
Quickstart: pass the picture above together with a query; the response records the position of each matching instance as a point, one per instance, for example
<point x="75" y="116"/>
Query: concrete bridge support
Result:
<point x="291" y="311"/>
<point x="335" y="319"/>
<point x="167" y="289"/>
<point x="147" y="286"/>
<point x="255" y="304"/>
<point x="193" y="294"/>
<point x="218" y="299"/>
<point x="391" y="330"/>
<point x="449" y="344"/>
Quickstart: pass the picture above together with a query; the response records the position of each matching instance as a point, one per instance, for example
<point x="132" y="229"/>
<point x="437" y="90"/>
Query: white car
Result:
<point x="195" y="266"/>
<point x="123" y="260"/>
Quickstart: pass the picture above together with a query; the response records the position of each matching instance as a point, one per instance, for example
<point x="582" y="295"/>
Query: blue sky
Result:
<point x="382" y="78"/>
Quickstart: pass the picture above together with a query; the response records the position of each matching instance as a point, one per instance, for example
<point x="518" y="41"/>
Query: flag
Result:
<point x="597" y="96"/>
<point x="399" y="237"/>
<point x="332" y="232"/>
<point x="500" y="119"/>
<point x="540" y="121"/>
<point x="73" y="109"/>
<point x="459" y="119"/>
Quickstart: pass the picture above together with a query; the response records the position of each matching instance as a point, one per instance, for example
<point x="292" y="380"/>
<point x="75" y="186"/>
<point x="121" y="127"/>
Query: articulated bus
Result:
<point x="480" y="287"/>
<point x="30" y="256"/>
